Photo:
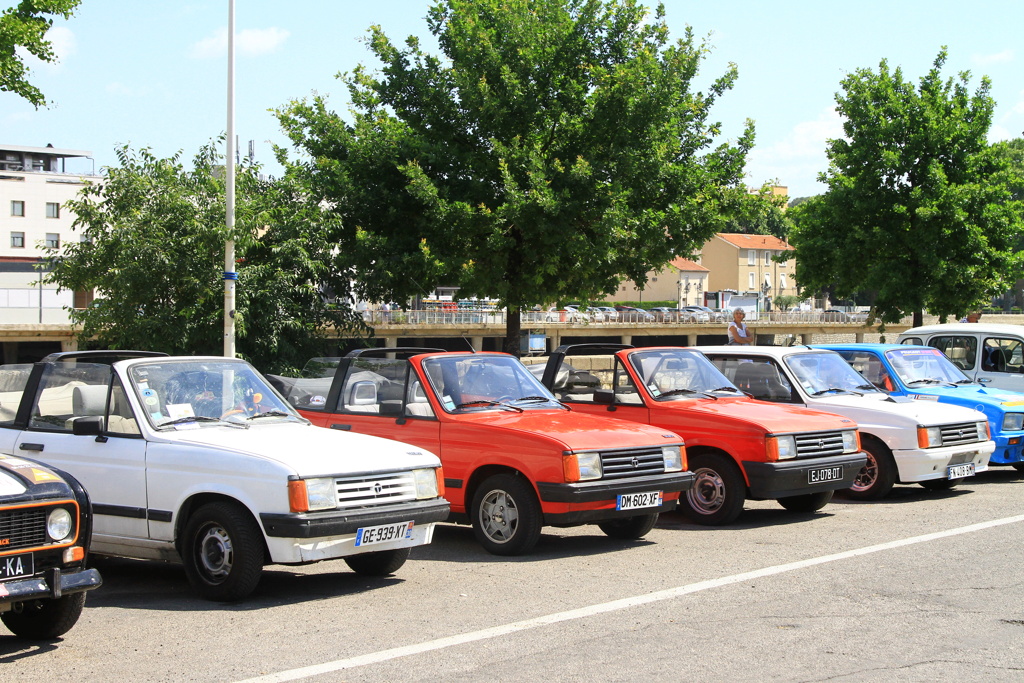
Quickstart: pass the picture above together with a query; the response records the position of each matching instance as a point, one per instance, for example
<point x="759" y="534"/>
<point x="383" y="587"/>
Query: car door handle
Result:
<point x="344" y="428"/>
<point x="31" y="446"/>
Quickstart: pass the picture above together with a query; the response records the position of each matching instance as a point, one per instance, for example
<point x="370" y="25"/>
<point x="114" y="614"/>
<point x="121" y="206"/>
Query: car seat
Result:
<point x="761" y="380"/>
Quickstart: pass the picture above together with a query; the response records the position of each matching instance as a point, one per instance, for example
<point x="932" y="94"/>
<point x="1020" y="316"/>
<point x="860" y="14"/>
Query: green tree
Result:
<point x="152" y="249"/>
<point x="911" y="211"/>
<point x="25" y="26"/>
<point x="557" y="148"/>
<point x="757" y="213"/>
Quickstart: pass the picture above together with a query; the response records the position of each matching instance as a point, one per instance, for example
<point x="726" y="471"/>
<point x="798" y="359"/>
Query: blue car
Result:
<point x="924" y="373"/>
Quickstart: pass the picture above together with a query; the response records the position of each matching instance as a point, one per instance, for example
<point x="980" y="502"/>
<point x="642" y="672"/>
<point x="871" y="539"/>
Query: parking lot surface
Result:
<point x="920" y="586"/>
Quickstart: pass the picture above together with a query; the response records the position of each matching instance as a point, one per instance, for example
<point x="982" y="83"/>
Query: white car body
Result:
<point x="990" y="354"/>
<point x="893" y="421"/>
<point x="150" y="461"/>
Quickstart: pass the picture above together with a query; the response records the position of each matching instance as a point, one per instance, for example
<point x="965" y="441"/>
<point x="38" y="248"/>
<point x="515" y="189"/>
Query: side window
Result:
<point x="625" y="388"/>
<point x="69" y="391"/>
<point x="13" y="379"/>
<point x="869" y="365"/>
<point x="912" y="341"/>
<point x="121" y="420"/>
<point x="1002" y="354"/>
<point x="578" y="384"/>
<point x="375" y="386"/>
<point x="962" y="350"/>
<point x="758" y="377"/>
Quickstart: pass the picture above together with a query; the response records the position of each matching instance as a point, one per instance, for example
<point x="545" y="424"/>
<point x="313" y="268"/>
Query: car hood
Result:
<point x="772" y="417"/>
<point x="871" y="407"/>
<point x="575" y="431"/>
<point x="306" y="449"/>
<point x="26" y="480"/>
<point x="971" y="394"/>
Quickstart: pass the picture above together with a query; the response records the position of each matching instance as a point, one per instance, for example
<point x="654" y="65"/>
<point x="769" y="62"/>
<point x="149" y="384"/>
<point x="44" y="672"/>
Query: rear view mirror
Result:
<point x="91" y="425"/>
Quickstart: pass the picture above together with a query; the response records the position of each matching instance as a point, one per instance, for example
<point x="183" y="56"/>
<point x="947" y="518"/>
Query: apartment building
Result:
<point x="35" y="184"/>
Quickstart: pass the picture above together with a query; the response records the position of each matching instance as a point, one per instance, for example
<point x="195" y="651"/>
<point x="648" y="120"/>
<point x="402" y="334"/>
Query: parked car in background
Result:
<point x="991" y="354"/>
<point x="701" y="314"/>
<point x="738" y="448"/>
<point x="924" y="374"/>
<point x="833" y="315"/>
<point x="515" y="458"/>
<point x="45" y="528"/>
<point x="906" y="442"/>
<point x="664" y="314"/>
<point x="610" y="314"/>
<point x="198" y="460"/>
<point x="588" y="314"/>
<point x="632" y="314"/>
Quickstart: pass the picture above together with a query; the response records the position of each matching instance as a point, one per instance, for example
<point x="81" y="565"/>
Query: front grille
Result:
<point x="372" y="490"/>
<point x="964" y="432"/>
<point x="632" y="462"/>
<point x="22" y="528"/>
<point x="819" y="444"/>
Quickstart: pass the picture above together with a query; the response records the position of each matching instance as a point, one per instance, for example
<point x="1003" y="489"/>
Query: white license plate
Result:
<point x="960" y="471"/>
<point x="824" y="474"/>
<point x="16" y="566"/>
<point x="635" y="501"/>
<point x="370" y="535"/>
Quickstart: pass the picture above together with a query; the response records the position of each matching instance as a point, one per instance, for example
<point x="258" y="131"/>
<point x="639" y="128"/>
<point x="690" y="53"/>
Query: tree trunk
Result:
<point x="918" y="318"/>
<point x="513" y="327"/>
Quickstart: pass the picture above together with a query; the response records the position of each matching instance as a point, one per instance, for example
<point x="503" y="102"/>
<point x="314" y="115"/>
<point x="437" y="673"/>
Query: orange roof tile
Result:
<point x="754" y="241"/>
<point x="686" y="264"/>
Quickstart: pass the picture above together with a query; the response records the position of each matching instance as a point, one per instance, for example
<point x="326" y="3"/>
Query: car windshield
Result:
<point x="187" y="393"/>
<point x="923" y="365"/>
<point x="485" y="382"/>
<point x="827" y="372"/>
<point x="671" y="374"/>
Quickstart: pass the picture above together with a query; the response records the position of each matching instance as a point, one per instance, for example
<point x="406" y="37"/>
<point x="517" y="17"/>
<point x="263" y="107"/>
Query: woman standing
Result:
<point x="738" y="333"/>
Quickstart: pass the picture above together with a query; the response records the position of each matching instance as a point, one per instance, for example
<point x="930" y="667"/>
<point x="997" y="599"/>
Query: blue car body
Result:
<point x="1003" y="408"/>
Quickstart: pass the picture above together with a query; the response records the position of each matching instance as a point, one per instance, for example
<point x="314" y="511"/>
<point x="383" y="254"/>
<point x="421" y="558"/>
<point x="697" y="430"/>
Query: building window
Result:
<point x="52" y="210"/>
<point x="782" y="281"/>
<point x="17" y="207"/>
<point x="750" y="282"/>
<point x="17" y="240"/>
<point x="751" y="257"/>
<point x="53" y="240"/>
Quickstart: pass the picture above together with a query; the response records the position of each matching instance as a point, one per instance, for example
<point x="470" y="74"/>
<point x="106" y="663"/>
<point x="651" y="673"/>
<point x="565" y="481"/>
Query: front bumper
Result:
<point x="52" y="584"/>
<point x="1007" y="453"/>
<point x="599" y="497"/>
<point x="922" y="464"/>
<point x="341" y="522"/>
<point x="769" y="480"/>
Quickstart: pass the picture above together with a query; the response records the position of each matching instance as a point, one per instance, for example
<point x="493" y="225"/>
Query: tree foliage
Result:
<point x="557" y="147"/>
<point x="912" y="210"/>
<point x="24" y="26"/>
<point x="757" y="213"/>
<point x="152" y="248"/>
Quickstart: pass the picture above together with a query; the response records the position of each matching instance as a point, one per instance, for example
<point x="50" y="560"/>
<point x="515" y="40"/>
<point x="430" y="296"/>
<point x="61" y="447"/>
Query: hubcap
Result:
<point x="708" y="493"/>
<point x="216" y="554"/>
<point x="868" y="474"/>
<point x="499" y="516"/>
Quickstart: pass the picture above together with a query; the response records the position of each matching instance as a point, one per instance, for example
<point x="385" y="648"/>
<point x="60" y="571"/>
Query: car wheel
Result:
<point x="44" y="619"/>
<point x="1019" y="466"/>
<point x="223" y="552"/>
<point x="807" y="502"/>
<point x="379" y="563"/>
<point x="718" y="490"/>
<point x="629" y="528"/>
<point x="506" y="515"/>
<point x="875" y="480"/>
<point x="940" y="484"/>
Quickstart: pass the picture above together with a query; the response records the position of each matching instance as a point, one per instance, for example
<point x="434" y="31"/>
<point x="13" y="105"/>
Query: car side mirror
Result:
<point x="983" y="380"/>
<point x="604" y="396"/>
<point x="391" y="408"/>
<point x="91" y="425"/>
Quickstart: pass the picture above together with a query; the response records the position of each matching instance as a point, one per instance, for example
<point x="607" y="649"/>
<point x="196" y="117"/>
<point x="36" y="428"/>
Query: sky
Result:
<point x="153" y="73"/>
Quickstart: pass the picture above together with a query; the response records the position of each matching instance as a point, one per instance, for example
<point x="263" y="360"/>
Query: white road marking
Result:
<point x="613" y="606"/>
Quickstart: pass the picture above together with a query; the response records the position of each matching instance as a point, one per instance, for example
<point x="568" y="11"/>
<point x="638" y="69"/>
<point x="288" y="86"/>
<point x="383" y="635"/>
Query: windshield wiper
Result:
<point x="270" y="413"/>
<point x="199" y="418"/>
<point x="534" y="399"/>
<point x="964" y="381"/>
<point x="731" y="390"/>
<point x="924" y="381"/>
<point x="835" y="390"/>
<point x="673" y="392"/>
<point x="867" y="387"/>
<point x="471" y="404"/>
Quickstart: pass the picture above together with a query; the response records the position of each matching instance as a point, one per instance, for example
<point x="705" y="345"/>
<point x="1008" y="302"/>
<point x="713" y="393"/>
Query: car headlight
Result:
<point x="781" y="447"/>
<point x="929" y="437"/>
<point x="984" y="433"/>
<point x="321" y="494"/>
<point x="582" y="466"/>
<point x="673" y="456"/>
<point x="58" y="524"/>
<point x="426" y="483"/>
<point x="1013" y="422"/>
<point x="851" y="444"/>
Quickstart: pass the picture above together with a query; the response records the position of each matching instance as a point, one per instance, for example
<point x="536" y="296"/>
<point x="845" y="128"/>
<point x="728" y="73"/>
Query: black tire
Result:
<point x="223" y="552"/>
<point x="876" y="479"/>
<point x="629" y="528"/>
<point x="381" y="563"/>
<point x="506" y="515"/>
<point x="44" y="619"/>
<point x="940" y="484"/>
<point x="1019" y="466"/>
<point x="718" y="491"/>
<point x="806" y="502"/>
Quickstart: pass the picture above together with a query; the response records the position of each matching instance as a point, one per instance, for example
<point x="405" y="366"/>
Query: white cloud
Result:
<point x="997" y="58"/>
<point x="250" y="42"/>
<point x="796" y="159"/>
<point x="64" y="45"/>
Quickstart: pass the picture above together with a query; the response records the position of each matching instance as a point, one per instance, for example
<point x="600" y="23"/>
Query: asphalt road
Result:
<point x="923" y="586"/>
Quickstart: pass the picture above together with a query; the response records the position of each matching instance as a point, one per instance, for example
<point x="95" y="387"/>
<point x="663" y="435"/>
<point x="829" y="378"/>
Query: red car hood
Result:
<point x="576" y="431"/>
